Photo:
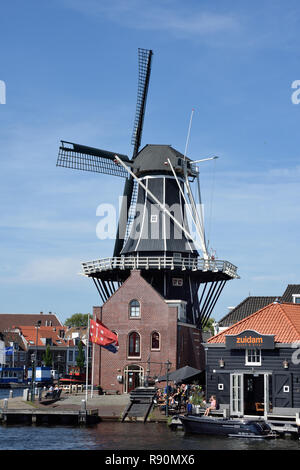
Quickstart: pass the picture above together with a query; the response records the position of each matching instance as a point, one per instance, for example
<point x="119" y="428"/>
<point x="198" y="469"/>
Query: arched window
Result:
<point x="134" y="344"/>
<point x="155" y="340"/>
<point x="134" y="309"/>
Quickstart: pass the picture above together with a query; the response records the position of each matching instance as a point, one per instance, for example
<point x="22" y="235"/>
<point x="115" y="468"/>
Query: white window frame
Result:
<point x="128" y="345"/>
<point x="251" y="356"/>
<point x="134" y="311"/>
<point x="154" y="218"/>
<point x="155" y="349"/>
<point x="296" y="296"/>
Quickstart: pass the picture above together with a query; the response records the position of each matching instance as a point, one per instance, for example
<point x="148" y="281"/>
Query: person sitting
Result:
<point x="50" y="392"/>
<point x="213" y="405"/>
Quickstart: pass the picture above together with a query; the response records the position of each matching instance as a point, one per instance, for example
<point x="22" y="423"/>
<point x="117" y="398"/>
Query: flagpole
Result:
<point x="87" y="360"/>
<point x="93" y="358"/>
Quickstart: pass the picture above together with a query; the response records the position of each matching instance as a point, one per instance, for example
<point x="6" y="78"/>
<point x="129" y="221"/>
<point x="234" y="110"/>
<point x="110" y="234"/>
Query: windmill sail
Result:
<point x="81" y="157"/>
<point x="144" y="59"/>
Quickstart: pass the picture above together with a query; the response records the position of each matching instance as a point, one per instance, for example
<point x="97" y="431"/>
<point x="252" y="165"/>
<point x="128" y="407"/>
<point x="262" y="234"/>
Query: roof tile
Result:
<point x="279" y="319"/>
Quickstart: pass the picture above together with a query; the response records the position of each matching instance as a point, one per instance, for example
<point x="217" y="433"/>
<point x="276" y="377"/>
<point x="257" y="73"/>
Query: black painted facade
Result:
<point x="276" y="380"/>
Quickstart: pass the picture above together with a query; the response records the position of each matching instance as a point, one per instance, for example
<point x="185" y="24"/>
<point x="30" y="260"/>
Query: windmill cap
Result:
<point x="154" y="159"/>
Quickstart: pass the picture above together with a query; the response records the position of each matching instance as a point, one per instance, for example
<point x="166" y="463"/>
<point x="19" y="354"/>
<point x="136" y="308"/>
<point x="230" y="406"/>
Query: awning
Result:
<point x="182" y="375"/>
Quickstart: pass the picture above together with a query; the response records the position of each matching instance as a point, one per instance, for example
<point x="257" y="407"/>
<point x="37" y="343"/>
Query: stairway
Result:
<point x="141" y="403"/>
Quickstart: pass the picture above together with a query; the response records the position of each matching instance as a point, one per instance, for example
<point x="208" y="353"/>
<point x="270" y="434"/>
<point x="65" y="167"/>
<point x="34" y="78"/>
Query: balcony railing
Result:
<point x="159" y="262"/>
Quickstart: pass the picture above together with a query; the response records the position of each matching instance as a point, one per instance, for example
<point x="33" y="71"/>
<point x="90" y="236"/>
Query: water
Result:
<point x="4" y="392"/>
<point x="127" y="436"/>
<point x="124" y="436"/>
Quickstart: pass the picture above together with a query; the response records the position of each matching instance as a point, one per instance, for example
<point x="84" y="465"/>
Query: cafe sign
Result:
<point x="249" y="339"/>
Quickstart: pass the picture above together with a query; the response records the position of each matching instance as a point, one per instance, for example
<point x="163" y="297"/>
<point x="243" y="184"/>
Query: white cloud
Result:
<point x="168" y="16"/>
<point x="46" y="270"/>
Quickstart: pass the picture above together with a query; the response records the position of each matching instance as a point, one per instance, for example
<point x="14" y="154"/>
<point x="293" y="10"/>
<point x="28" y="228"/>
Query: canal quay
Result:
<point x="108" y="432"/>
<point x="70" y="409"/>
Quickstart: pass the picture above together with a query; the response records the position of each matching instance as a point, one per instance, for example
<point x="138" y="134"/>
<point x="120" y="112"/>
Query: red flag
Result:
<point x="101" y="335"/>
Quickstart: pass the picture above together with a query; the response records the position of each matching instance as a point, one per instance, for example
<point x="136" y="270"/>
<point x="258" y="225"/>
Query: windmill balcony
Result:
<point x="197" y="264"/>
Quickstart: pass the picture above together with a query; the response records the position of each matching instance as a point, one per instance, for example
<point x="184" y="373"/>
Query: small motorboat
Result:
<point x="231" y="427"/>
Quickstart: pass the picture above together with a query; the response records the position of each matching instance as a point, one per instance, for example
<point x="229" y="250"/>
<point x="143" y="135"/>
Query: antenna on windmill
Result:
<point x="188" y="135"/>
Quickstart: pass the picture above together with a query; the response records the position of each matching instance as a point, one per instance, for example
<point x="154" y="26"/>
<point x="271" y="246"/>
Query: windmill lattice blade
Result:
<point x="145" y="56"/>
<point x="81" y="157"/>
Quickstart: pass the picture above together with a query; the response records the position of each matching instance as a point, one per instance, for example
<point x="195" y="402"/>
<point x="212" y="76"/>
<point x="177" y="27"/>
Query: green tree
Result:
<point x="209" y="326"/>
<point x="78" y="319"/>
<point x="47" y="357"/>
<point x="80" y="359"/>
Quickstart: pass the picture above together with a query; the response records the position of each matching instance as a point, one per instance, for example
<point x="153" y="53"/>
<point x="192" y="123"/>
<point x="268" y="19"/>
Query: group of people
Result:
<point x="180" y="398"/>
<point x="52" y="391"/>
<point x="176" y="397"/>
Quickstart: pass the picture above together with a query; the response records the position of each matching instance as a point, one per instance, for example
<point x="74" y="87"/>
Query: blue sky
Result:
<point x="70" y="69"/>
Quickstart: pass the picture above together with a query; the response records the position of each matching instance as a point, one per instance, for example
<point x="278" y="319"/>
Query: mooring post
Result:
<point x="82" y="413"/>
<point x="11" y="394"/>
<point x="5" y="404"/>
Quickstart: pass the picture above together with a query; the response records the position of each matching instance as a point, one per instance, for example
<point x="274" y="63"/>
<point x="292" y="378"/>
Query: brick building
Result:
<point x="151" y="331"/>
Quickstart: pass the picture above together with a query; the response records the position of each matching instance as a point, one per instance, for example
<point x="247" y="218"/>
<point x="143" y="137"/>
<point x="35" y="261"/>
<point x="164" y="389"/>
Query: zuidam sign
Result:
<point x="249" y="339"/>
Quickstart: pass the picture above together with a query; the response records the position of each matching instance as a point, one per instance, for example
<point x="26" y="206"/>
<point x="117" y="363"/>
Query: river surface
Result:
<point x="124" y="436"/>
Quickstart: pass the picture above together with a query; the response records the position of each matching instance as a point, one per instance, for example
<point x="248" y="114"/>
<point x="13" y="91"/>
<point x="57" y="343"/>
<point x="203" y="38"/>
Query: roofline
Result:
<point x="247" y="318"/>
<point x="277" y="345"/>
<point x="243" y="301"/>
<point x="256" y="313"/>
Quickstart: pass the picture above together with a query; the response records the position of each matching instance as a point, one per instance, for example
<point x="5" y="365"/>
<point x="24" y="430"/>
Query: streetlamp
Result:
<point x="168" y="363"/>
<point x="146" y="381"/>
<point x="58" y="364"/>
<point x="38" y="324"/>
<point x="32" y="376"/>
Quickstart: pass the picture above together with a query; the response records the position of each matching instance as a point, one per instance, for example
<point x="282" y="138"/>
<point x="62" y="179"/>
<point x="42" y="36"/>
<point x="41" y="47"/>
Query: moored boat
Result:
<point x="18" y="385"/>
<point x="231" y="427"/>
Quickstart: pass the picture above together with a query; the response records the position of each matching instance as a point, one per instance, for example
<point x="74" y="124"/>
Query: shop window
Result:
<point x="155" y="341"/>
<point x="134" y="346"/>
<point x="134" y="309"/>
<point x="253" y="357"/>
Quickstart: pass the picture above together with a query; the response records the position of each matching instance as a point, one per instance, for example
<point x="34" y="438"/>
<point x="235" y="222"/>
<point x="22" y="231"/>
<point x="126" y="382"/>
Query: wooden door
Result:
<point x="282" y="390"/>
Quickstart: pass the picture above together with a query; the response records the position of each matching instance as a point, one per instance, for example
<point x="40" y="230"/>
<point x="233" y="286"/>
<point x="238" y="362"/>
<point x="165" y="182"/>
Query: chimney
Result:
<point x="41" y="313"/>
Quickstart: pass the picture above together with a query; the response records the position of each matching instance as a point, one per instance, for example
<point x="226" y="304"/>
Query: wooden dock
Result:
<point x="50" y="416"/>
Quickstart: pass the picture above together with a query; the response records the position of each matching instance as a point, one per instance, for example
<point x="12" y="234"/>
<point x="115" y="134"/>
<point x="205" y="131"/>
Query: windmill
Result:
<point x="153" y="232"/>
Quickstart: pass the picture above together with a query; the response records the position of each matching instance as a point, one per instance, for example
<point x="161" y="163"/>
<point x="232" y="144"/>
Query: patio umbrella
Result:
<point x="183" y="375"/>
